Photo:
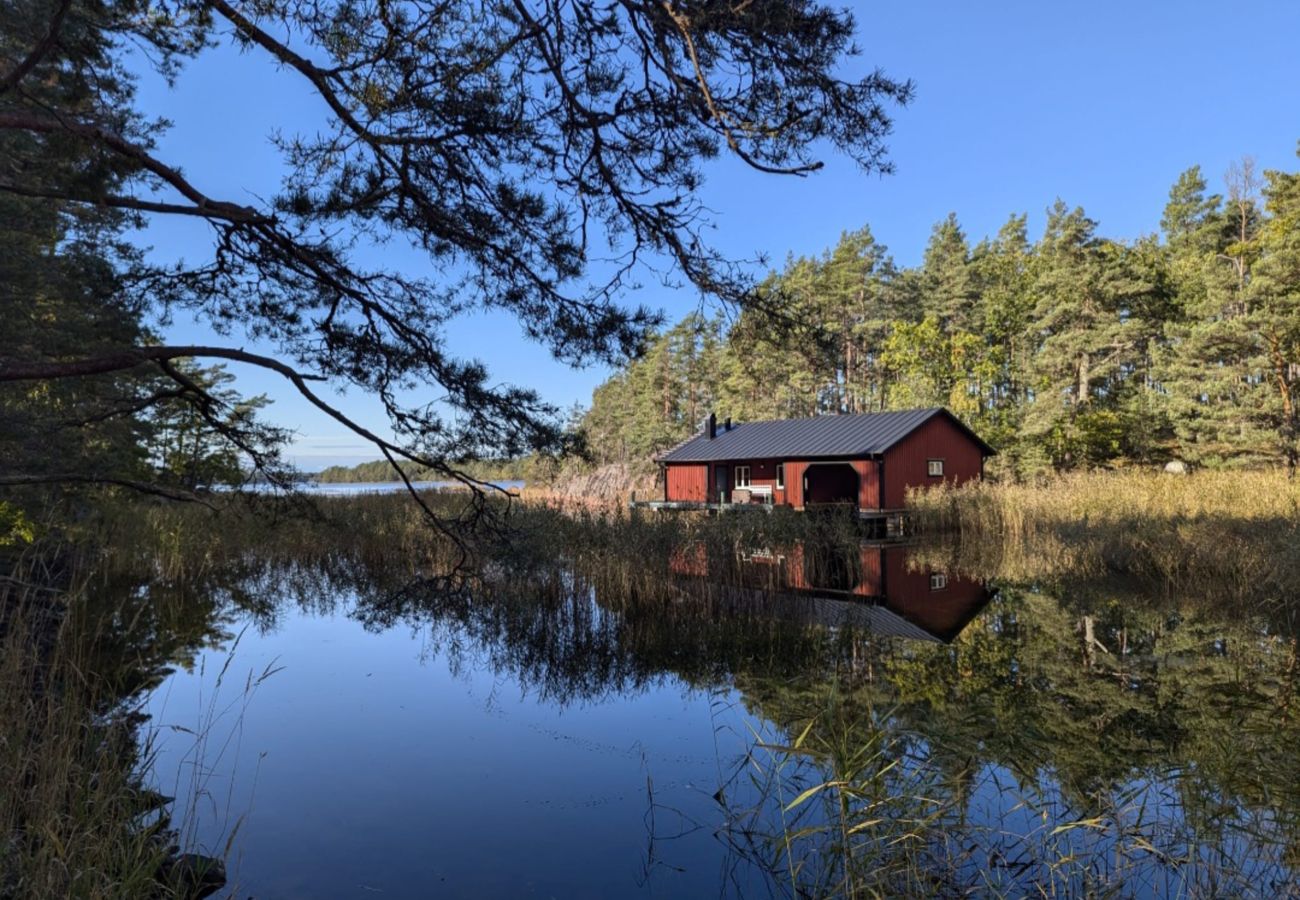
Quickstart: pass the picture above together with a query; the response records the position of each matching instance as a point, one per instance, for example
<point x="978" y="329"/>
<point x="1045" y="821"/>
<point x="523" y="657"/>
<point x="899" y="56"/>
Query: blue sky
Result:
<point x="1100" y="104"/>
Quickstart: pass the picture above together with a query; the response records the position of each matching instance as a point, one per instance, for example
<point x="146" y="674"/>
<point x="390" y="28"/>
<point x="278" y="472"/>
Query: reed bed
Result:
<point x="601" y="488"/>
<point x="838" y="807"/>
<point x="1234" y="528"/>
<point x="1220" y="533"/>
<point x="1111" y="498"/>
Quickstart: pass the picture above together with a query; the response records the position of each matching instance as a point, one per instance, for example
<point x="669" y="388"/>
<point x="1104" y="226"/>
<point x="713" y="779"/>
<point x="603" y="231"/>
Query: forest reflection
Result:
<point x="956" y="731"/>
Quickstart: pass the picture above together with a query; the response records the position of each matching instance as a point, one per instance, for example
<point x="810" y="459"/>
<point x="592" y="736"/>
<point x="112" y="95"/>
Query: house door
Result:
<point x="722" y="481"/>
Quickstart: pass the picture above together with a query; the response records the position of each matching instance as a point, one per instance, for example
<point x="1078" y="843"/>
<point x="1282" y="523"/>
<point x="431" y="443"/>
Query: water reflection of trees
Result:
<point x="1165" y="724"/>
<point x="1176" y="744"/>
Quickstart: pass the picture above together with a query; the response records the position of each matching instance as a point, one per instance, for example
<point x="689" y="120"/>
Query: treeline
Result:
<point x="1073" y="350"/>
<point x="169" y="428"/>
<point x="522" y="469"/>
<point x="77" y="296"/>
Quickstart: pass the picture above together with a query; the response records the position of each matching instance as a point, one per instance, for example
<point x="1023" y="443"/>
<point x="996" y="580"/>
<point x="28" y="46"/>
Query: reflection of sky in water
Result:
<point x="364" y="765"/>
<point x="1030" y="826"/>
<point x="417" y="761"/>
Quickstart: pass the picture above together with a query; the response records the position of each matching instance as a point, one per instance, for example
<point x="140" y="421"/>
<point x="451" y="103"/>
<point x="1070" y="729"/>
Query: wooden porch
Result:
<point x="880" y="524"/>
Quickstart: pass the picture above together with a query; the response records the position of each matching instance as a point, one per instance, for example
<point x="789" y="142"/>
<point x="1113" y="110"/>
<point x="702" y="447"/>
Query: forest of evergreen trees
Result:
<point x="1074" y="350"/>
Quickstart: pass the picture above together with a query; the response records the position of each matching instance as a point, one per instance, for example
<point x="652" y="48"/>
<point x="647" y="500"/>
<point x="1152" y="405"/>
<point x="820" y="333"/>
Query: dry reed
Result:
<point x="1235" y="528"/>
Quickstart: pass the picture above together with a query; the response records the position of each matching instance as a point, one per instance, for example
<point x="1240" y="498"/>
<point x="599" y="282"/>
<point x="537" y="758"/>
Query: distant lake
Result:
<point x="388" y="487"/>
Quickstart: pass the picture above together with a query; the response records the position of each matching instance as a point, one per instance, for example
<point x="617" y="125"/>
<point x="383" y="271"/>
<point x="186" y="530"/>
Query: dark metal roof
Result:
<point x="855" y="436"/>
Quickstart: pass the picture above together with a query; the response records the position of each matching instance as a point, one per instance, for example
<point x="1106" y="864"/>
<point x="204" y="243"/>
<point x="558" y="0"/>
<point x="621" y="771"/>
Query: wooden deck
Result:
<point x="887" y="524"/>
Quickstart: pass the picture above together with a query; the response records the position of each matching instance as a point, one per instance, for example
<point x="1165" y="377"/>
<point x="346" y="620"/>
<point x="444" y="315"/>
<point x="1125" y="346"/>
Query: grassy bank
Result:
<point x="75" y="818"/>
<point x="89" y="625"/>
<point x="1207" y="533"/>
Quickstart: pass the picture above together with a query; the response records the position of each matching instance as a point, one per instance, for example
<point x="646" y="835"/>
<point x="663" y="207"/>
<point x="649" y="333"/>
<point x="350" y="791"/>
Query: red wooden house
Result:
<point x="867" y="460"/>
<point x="873" y="586"/>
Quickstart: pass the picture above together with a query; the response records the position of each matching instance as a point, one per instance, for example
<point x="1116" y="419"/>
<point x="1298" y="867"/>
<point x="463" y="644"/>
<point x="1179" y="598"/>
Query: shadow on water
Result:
<point x="875" y="719"/>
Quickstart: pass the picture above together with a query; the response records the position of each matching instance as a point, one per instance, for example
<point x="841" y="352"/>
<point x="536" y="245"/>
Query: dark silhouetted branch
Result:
<point x="29" y="62"/>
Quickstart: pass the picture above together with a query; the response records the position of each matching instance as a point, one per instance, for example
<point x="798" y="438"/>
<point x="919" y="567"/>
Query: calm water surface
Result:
<point x="575" y="746"/>
<point x="398" y="762"/>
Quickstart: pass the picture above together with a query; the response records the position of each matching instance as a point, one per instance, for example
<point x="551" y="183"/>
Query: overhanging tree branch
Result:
<point x="144" y="487"/>
<point x="541" y="153"/>
<point x="13" y="371"/>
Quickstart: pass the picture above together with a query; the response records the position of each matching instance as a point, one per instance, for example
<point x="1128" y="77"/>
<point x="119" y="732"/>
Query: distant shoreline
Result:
<point x="345" y="488"/>
<point x="382" y="472"/>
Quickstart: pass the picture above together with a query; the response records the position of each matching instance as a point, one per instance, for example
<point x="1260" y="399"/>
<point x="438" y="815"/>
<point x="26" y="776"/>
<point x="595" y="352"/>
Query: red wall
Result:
<point x="687" y="482"/>
<point x="690" y="559"/>
<point x="943" y="612"/>
<point x="794" y="483"/>
<point x="696" y="481"/>
<point x="868" y="483"/>
<point x="938" y="438"/>
<point x="872" y="583"/>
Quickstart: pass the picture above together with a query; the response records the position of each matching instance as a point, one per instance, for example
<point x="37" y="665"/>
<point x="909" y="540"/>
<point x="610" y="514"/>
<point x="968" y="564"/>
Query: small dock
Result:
<point x="879" y="524"/>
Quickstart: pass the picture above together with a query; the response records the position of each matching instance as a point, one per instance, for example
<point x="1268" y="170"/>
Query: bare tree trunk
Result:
<point x="1081" y="392"/>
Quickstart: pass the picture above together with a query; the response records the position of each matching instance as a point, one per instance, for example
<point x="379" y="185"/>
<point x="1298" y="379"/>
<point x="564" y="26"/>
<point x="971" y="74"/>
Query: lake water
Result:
<point x="1081" y="737"/>
<point x="345" y="489"/>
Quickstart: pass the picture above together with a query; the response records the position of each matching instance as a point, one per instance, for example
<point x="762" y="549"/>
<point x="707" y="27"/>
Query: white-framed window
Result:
<point x="780" y="476"/>
<point x="934" y="468"/>
<point x="938" y="581"/>
<point x="742" y="476"/>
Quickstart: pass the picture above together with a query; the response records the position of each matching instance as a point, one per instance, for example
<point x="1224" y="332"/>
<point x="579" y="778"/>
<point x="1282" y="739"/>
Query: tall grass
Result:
<point x="78" y="654"/>
<point x="838" y="808"/>
<point x="1238" y="528"/>
<point x="75" y="819"/>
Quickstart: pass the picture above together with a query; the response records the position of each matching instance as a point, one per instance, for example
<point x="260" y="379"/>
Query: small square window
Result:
<point x="742" y="476"/>
<point x="780" y="476"/>
<point x="938" y="581"/>
<point x="934" y="468"/>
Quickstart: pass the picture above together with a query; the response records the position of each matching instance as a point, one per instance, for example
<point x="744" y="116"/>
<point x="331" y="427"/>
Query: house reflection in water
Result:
<point x="869" y="586"/>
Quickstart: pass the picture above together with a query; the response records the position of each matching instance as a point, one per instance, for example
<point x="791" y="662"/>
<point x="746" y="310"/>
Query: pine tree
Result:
<point x="1221" y="367"/>
<point x="946" y="287"/>
<point x="1001" y="270"/>
<point x="849" y="301"/>
<point x="1085" y="289"/>
<point x="1274" y="295"/>
<point x="1077" y="350"/>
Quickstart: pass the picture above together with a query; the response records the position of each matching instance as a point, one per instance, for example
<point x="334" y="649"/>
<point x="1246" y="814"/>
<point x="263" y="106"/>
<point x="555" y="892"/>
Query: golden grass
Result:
<point x="1112" y="497"/>
<point x="605" y="489"/>
<point x="1240" y="530"/>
